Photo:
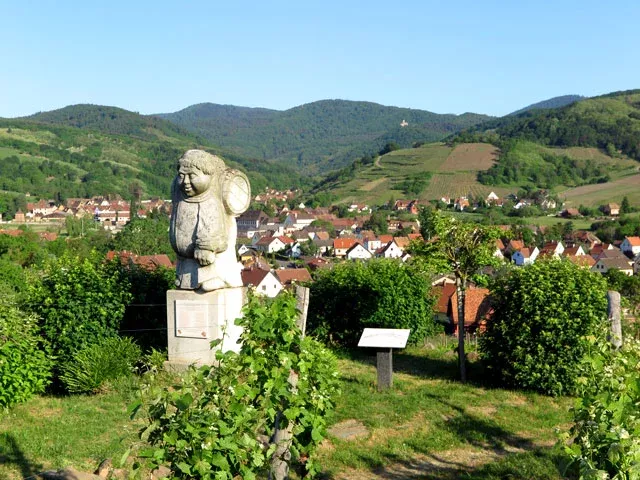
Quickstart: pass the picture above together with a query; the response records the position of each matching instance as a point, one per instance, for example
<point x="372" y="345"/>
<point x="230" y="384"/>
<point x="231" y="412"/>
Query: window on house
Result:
<point x="264" y="287"/>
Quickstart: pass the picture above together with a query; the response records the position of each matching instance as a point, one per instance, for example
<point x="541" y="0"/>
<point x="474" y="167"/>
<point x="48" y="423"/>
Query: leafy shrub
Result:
<point x="378" y="293"/>
<point x="80" y="302"/>
<point x="25" y="368"/>
<point x="542" y="314"/>
<point x="604" y="441"/>
<point x="208" y="426"/>
<point x="91" y="367"/>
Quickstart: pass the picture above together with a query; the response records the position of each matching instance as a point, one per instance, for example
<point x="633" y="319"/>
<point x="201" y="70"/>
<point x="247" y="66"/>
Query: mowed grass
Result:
<point x="432" y="426"/>
<point x="51" y="432"/>
<point x="429" y="426"/>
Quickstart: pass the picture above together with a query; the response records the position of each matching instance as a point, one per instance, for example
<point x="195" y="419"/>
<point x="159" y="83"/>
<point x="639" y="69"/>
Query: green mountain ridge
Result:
<point x="318" y="136"/>
<point x="86" y="150"/>
<point x="555" y="102"/>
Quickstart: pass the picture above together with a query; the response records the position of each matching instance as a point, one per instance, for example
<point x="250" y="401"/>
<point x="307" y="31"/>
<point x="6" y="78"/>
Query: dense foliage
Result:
<point x="105" y="151"/>
<point x="524" y="163"/>
<point x="603" y="442"/>
<point x="107" y="359"/>
<point x="79" y="301"/>
<point x="207" y="427"/>
<point x="25" y="368"/>
<point x="610" y="122"/>
<point x="543" y="312"/>
<point x="318" y="136"/>
<point x="378" y="293"/>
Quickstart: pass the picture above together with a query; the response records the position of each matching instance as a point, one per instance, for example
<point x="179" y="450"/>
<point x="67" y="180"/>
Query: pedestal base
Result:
<point x="196" y="319"/>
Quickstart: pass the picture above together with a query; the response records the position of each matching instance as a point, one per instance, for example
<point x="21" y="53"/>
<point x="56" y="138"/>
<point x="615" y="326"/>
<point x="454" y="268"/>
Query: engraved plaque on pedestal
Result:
<point x="192" y="318"/>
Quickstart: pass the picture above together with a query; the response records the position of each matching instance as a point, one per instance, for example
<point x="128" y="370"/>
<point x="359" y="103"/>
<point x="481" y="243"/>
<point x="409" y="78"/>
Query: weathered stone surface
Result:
<point x="349" y="430"/>
<point x="160" y="473"/>
<point x="206" y="197"/>
<point x="384" y="366"/>
<point x="68" y="473"/>
<point x="103" y="469"/>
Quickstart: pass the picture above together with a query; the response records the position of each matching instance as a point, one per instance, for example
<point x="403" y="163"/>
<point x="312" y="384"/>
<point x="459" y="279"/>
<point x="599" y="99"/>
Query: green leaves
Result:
<point x="207" y="426"/>
<point x="543" y="316"/>
<point x="604" y="437"/>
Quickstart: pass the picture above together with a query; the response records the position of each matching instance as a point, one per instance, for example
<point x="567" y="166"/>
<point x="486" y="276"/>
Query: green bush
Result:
<point x="80" y="302"/>
<point x="91" y="367"/>
<point x="379" y="293"/>
<point x="603" y="441"/>
<point x="543" y="312"/>
<point x="209" y="425"/>
<point x="25" y="368"/>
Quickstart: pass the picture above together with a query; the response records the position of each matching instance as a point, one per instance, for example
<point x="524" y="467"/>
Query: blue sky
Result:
<point x="488" y="57"/>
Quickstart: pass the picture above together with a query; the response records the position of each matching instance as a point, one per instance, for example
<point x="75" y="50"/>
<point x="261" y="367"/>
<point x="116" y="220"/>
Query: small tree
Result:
<point x="458" y="247"/>
<point x="625" y="206"/>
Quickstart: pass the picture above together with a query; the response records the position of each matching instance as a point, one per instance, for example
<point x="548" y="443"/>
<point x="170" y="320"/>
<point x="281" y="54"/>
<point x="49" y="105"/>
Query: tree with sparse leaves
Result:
<point x="457" y="247"/>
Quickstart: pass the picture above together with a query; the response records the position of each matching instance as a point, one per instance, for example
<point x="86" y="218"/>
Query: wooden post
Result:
<point x="615" y="318"/>
<point x="283" y="437"/>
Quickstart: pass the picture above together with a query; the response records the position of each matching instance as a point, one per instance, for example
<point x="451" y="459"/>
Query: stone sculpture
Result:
<point x="206" y="197"/>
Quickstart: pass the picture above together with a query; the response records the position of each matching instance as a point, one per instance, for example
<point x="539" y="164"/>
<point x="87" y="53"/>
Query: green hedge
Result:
<point x="543" y="313"/>
<point x="379" y="293"/>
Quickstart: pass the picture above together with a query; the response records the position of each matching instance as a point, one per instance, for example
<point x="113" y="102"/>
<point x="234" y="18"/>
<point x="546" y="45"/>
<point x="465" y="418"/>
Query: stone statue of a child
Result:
<point x="206" y="197"/>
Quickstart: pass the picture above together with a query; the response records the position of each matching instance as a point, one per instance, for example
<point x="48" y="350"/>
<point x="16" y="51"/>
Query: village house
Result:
<point x="292" y="276"/>
<point x="552" y="249"/>
<point x="612" y="209"/>
<point x="358" y="252"/>
<point x="390" y="250"/>
<point x="630" y="246"/>
<point x="443" y="293"/>
<point x="477" y="310"/>
<point x="525" y="256"/>
<point x="584" y="261"/>
<point x="576" y="251"/>
<point x="342" y="245"/>
<point x="603" y="265"/>
<point x="271" y="244"/>
<point x="264" y="282"/>
<point x="251" y="220"/>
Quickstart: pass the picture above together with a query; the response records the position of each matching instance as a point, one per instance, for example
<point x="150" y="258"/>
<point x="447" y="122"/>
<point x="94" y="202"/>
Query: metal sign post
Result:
<point x="385" y="340"/>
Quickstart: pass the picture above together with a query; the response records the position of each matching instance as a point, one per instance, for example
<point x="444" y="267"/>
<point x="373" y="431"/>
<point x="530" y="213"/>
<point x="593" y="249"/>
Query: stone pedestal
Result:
<point x="385" y="368"/>
<point x="195" y="319"/>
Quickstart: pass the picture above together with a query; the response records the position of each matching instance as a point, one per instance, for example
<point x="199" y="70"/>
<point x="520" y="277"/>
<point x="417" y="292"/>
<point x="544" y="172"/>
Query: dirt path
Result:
<point x="377" y="162"/>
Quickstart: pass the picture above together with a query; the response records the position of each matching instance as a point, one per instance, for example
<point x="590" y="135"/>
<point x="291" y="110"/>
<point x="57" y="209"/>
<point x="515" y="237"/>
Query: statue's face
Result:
<point x="192" y="181"/>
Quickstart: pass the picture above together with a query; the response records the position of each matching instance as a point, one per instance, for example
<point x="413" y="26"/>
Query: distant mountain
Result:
<point x="555" y="102"/>
<point x="110" y="120"/>
<point x="318" y="136"/>
<point x="610" y="122"/>
<point x="85" y="150"/>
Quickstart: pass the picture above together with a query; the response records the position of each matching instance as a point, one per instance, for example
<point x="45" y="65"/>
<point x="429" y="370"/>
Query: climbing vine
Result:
<point x="217" y="423"/>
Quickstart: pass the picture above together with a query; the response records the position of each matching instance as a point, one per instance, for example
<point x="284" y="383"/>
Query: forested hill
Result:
<point x="111" y="120"/>
<point x="555" y="102"/>
<point x="105" y="151"/>
<point x="610" y="122"/>
<point x="318" y="136"/>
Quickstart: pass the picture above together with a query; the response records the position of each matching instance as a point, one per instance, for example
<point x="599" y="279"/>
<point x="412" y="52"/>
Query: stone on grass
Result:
<point x="349" y="430"/>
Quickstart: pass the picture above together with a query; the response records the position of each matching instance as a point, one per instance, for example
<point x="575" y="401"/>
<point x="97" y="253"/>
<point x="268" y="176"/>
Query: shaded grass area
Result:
<point x="52" y="432"/>
<point x="431" y="426"/>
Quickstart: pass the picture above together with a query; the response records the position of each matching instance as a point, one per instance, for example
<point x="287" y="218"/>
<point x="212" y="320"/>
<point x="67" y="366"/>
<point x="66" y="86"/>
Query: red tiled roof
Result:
<point x="444" y="293"/>
<point x="581" y="260"/>
<point x="152" y="262"/>
<point x="253" y="276"/>
<point x="346" y="242"/>
<point x="477" y="306"/>
<point x="633" y="241"/>
<point x="289" y="275"/>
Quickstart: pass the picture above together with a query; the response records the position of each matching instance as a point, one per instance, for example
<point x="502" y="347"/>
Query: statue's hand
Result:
<point x="204" y="257"/>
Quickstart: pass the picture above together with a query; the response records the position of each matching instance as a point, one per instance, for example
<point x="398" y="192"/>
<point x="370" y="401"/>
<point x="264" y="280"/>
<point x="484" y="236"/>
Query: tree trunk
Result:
<point x="461" y="288"/>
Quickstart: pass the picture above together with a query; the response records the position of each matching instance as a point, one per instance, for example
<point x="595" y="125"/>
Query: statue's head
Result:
<point x="196" y="170"/>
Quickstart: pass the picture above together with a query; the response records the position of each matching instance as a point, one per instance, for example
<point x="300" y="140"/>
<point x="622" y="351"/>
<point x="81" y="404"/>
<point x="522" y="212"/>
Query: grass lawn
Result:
<point x="429" y="426"/>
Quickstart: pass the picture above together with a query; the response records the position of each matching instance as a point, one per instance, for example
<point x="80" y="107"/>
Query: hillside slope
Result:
<point x="318" y="136"/>
<point x="555" y="102"/>
<point x="610" y="122"/>
<point x="82" y="151"/>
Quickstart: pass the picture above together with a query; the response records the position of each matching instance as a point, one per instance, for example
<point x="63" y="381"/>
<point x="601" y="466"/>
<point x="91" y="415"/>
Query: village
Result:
<point x="283" y="250"/>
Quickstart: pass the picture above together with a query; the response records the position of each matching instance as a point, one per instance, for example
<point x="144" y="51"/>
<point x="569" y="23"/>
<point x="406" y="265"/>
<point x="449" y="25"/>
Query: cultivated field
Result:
<point x="470" y="156"/>
<point x="601" y="193"/>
